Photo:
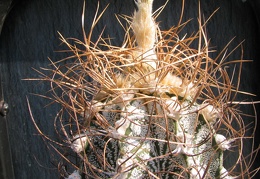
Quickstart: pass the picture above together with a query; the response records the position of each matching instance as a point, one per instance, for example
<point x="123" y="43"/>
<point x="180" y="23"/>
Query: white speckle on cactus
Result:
<point x="114" y="133"/>
<point x="222" y="142"/>
<point x="74" y="175"/>
<point x="125" y="162"/>
<point x="79" y="144"/>
<point x="131" y="144"/>
<point x="129" y="160"/>
<point x="185" y="147"/>
<point x="197" y="173"/>
<point x="130" y="114"/>
<point x="173" y="107"/>
<point x="209" y="112"/>
<point x="122" y="125"/>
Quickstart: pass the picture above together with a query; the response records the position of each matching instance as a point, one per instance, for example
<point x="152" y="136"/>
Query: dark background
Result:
<point x="29" y="36"/>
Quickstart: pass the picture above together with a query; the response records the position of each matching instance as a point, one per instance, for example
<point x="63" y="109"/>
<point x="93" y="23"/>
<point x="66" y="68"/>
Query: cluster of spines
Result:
<point x="150" y="109"/>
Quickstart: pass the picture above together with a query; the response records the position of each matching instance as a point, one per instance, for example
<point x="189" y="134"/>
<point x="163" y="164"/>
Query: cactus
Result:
<point x="152" y="108"/>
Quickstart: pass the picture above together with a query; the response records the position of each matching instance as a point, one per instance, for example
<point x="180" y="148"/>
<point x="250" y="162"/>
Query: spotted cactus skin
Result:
<point x="150" y="144"/>
<point x="154" y="108"/>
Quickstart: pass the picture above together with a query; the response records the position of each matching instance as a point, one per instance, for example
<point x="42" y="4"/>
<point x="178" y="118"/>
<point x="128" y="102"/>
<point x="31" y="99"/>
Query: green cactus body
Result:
<point x="152" y="111"/>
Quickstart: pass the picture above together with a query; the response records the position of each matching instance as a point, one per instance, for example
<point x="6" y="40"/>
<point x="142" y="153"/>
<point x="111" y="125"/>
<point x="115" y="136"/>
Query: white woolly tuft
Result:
<point x="144" y="26"/>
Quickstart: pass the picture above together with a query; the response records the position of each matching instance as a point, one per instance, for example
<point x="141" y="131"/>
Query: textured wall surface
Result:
<point x="29" y="36"/>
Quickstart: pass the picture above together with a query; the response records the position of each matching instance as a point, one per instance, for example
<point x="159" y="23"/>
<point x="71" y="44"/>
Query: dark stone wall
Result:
<point x="29" y="36"/>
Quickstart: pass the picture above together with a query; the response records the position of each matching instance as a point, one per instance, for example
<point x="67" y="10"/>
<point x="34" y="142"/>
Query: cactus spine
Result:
<point x="155" y="108"/>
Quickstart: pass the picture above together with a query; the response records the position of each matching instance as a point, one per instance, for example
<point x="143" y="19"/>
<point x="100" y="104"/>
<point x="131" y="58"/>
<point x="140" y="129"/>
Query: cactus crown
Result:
<point x="153" y="108"/>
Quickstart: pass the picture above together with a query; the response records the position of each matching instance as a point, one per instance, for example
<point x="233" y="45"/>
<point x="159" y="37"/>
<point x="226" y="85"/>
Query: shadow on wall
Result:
<point x="29" y="36"/>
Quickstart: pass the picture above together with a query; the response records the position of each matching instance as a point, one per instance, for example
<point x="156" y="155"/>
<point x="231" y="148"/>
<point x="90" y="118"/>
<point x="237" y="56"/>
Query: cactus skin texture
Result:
<point x="154" y="108"/>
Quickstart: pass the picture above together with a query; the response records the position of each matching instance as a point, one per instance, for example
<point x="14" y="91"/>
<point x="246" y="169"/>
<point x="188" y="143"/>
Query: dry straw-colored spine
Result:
<point x="153" y="108"/>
